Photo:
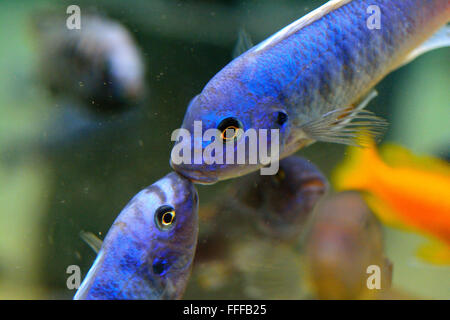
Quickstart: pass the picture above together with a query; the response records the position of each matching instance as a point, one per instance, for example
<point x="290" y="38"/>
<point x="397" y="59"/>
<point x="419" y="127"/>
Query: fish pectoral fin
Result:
<point x="440" y="39"/>
<point x="92" y="240"/>
<point x="243" y="44"/>
<point x="388" y="269"/>
<point x="435" y="252"/>
<point x="349" y="125"/>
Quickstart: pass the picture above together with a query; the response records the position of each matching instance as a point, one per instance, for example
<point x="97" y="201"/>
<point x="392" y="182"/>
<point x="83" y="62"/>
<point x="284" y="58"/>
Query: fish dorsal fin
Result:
<point x="92" y="240"/>
<point x="440" y="39"/>
<point x="301" y="23"/>
<point x="243" y="44"/>
<point x="348" y="125"/>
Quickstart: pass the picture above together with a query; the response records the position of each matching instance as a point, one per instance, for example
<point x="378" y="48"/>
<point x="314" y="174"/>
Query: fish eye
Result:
<point x="165" y="217"/>
<point x="230" y="128"/>
<point x="282" y="117"/>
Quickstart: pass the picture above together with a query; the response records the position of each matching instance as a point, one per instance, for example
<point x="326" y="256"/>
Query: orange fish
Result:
<point x="404" y="190"/>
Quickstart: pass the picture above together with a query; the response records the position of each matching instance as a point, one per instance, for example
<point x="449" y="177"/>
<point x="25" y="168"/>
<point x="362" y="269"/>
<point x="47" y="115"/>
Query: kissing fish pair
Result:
<point x="277" y="207"/>
<point x="345" y="239"/>
<point x="310" y="81"/>
<point x="149" y="249"/>
<point x="145" y="256"/>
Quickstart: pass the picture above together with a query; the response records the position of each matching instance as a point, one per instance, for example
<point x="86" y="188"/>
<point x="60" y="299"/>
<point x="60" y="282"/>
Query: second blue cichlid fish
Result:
<point x="311" y="80"/>
<point x="148" y="252"/>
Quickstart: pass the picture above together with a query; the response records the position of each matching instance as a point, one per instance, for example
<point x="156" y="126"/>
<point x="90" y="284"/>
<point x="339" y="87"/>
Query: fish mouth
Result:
<point x="196" y="176"/>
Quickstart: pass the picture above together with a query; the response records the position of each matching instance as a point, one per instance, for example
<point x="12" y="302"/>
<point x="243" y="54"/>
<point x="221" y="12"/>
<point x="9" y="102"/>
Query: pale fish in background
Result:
<point x="405" y="191"/>
<point x="311" y="81"/>
<point x="283" y="203"/>
<point x="99" y="65"/>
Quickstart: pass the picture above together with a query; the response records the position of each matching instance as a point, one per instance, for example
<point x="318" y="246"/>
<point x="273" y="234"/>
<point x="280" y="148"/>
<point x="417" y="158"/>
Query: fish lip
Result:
<point x="195" y="176"/>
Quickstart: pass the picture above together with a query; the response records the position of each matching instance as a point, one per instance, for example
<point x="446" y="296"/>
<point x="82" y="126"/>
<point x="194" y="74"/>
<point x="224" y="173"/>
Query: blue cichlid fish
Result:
<point x="312" y="79"/>
<point x="148" y="252"/>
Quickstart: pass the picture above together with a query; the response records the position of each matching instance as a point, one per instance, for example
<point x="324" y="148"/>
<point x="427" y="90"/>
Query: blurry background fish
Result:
<point x="344" y="240"/>
<point x="49" y="195"/>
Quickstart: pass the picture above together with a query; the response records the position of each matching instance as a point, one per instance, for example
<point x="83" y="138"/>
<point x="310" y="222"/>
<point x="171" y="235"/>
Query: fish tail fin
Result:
<point x="396" y="155"/>
<point x="356" y="172"/>
<point x="435" y="252"/>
